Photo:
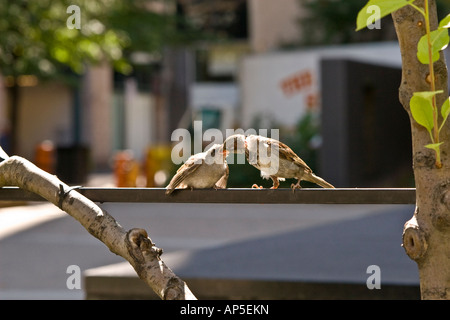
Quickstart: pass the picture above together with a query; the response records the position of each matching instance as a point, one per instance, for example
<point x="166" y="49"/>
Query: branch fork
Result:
<point x="134" y="245"/>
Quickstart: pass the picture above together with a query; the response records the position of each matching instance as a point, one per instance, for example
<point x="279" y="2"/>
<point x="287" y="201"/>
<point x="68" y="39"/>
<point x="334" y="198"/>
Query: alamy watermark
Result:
<point x="373" y="21"/>
<point x="257" y="149"/>
<point x="74" y="280"/>
<point x="374" y="280"/>
<point x="74" y="20"/>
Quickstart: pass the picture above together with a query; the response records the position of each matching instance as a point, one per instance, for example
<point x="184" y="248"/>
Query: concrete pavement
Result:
<point x="327" y="243"/>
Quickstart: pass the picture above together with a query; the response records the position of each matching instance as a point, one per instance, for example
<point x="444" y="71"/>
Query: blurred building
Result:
<point x="241" y="28"/>
<point x="226" y="82"/>
<point x="110" y="112"/>
<point x="75" y="120"/>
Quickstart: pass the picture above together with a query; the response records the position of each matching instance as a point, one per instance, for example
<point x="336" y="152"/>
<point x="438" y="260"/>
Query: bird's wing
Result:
<point x="185" y="170"/>
<point x="286" y="153"/>
<point x="222" y="183"/>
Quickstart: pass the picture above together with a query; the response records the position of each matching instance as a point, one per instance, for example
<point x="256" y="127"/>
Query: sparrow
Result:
<point x="203" y="170"/>
<point x="274" y="159"/>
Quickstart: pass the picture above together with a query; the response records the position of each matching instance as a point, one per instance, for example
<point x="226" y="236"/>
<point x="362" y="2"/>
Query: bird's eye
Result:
<point x="213" y="152"/>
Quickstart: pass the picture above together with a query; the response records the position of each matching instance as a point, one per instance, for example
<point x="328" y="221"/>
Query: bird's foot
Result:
<point x="274" y="187"/>
<point x="295" y="186"/>
<point x="255" y="186"/>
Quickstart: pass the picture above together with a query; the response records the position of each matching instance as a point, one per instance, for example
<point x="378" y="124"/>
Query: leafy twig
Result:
<point x="423" y="105"/>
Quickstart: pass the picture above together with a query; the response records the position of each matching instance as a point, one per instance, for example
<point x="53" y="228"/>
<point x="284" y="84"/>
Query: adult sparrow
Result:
<point x="202" y="170"/>
<point x="274" y="159"/>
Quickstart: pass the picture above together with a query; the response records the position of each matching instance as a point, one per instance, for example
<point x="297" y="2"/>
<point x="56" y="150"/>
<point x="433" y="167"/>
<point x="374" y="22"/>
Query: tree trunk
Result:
<point x="426" y="237"/>
<point x="133" y="245"/>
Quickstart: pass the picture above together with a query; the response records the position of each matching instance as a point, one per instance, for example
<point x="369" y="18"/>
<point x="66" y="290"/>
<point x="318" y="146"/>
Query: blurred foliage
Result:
<point x="36" y="40"/>
<point x="305" y="141"/>
<point x="333" y="22"/>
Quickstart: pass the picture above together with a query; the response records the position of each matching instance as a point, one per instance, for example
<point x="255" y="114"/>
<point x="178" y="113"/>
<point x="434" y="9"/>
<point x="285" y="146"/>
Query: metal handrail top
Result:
<point x="233" y="195"/>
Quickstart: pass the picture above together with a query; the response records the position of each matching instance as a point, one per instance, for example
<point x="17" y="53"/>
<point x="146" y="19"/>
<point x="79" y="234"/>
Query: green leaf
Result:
<point x="439" y="41"/>
<point x="445" y="110"/>
<point x="434" y="146"/>
<point x="427" y="94"/>
<point x="422" y="111"/>
<point x="377" y="9"/>
<point x="445" y="23"/>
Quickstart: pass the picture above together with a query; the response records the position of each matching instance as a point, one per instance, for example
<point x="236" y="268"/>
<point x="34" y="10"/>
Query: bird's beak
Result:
<point x="226" y="145"/>
<point x="225" y="153"/>
<point x="232" y="142"/>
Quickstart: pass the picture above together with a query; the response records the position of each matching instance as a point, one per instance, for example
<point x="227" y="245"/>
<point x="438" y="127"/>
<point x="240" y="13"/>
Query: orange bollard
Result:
<point x="45" y="156"/>
<point x="126" y="169"/>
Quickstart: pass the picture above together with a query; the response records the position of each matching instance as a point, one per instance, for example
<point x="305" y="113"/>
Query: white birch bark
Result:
<point x="133" y="245"/>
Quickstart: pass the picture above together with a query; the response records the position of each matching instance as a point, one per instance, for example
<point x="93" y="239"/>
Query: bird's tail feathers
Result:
<point x="318" y="180"/>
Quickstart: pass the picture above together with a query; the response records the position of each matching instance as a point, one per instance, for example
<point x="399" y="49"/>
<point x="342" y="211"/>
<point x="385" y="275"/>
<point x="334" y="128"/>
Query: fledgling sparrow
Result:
<point x="203" y="170"/>
<point x="274" y="159"/>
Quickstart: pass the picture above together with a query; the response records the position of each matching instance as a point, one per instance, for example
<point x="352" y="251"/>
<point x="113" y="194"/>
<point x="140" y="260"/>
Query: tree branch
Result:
<point x="134" y="245"/>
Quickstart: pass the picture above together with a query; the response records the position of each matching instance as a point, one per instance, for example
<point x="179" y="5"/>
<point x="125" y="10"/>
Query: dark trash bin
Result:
<point x="72" y="164"/>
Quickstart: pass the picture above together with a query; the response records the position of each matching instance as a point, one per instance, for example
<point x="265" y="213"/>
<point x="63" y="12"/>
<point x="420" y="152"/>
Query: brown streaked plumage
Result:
<point x="202" y="170"/>
<point x="274" y="159"/>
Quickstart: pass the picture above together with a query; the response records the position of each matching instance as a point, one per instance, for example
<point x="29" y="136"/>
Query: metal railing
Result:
<point x="233" y="195"/>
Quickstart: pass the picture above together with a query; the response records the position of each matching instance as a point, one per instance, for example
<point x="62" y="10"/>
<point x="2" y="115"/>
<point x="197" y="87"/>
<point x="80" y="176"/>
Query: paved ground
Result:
<point x="304" y="242"/>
